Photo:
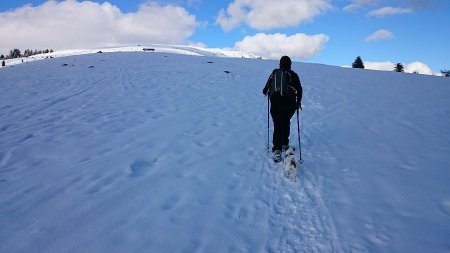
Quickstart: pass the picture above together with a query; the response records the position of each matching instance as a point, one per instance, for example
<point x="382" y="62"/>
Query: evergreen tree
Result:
<point x="2" y="57"/>
<point x="445" y="73"/>
<point x="358" y="63"/>
<point x="15" y="53"/>
<point x="399" y="68"/>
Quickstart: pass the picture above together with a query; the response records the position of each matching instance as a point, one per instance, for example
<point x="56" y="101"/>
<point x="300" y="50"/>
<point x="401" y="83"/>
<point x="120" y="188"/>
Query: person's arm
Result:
<point x="266" y="87"/>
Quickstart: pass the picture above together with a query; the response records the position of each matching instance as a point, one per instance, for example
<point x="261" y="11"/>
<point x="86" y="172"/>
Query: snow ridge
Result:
<point x="161" y="48"/>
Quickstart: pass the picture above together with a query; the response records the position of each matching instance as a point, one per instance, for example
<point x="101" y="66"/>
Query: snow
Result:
<point x="174" y="49"/>
<point x="166" y="152"/>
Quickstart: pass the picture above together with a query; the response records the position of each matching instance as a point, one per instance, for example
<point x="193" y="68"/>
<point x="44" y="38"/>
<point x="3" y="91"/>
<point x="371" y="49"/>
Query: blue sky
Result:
<point x="412" y="32"/>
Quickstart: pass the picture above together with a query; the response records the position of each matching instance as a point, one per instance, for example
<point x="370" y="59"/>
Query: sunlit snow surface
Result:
<point x="163" y="152"/>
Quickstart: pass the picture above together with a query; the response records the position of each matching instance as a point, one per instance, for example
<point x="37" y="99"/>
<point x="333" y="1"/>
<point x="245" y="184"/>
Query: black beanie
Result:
<point x="285" y="62"/>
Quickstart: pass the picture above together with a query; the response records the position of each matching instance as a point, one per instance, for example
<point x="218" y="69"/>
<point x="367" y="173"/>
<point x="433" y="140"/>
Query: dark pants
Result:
<point x="282" y="109"/>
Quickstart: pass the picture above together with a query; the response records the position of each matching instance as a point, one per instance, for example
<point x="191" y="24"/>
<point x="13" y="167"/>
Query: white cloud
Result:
<point x="381" y="34"/>
<point x="73" y="24"/>
<point x="412" y="67"/>
<point x="268" y="14"/>
<point x="273" y="46"/>
<point x="385" y="66"/>
<point x="389" y="11"/>
<point x="419" y="67"/>
<point x="358" y="4"/>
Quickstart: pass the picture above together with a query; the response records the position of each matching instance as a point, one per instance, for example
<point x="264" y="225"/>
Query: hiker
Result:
<point x="285" y="93"/>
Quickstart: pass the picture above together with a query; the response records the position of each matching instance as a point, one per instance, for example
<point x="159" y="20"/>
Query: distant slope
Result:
<point x="175" y="49"/>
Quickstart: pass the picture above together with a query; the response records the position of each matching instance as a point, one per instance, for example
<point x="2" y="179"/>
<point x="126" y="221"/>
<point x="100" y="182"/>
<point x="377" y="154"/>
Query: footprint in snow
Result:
<point x="445" y="206"/>
<point x="139" y="168"/>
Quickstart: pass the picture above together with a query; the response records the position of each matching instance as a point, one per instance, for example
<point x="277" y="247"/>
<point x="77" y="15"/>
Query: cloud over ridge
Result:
<point x="73" y="24"/>
<point x="273" y="46"/>
<point x="411" y="67"/>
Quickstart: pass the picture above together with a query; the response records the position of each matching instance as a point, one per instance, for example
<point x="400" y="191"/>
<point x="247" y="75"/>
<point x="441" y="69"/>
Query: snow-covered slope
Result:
<point x="160" y="48"/>
<point x="159" y="152"/>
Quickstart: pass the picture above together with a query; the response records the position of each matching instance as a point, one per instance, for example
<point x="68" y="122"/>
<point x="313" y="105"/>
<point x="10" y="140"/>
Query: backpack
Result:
<point x="281" y="83"/>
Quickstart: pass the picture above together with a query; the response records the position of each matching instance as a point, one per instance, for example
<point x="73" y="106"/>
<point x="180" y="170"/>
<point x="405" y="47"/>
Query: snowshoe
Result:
<point x="286" y="148"/>
<point x="290" y="164"/>
<point x="277" y="156"/>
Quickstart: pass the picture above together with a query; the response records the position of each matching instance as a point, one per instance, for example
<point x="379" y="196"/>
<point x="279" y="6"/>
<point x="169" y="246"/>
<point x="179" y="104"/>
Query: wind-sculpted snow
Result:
<point x="159" y="152"/>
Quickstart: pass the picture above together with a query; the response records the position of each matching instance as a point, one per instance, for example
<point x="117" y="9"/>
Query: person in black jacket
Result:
<point x="285" y="93"/>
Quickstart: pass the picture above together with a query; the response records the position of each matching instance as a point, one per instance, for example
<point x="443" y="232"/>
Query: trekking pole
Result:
<point x="268" y="126"/>
<point x="298" y="133"/>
